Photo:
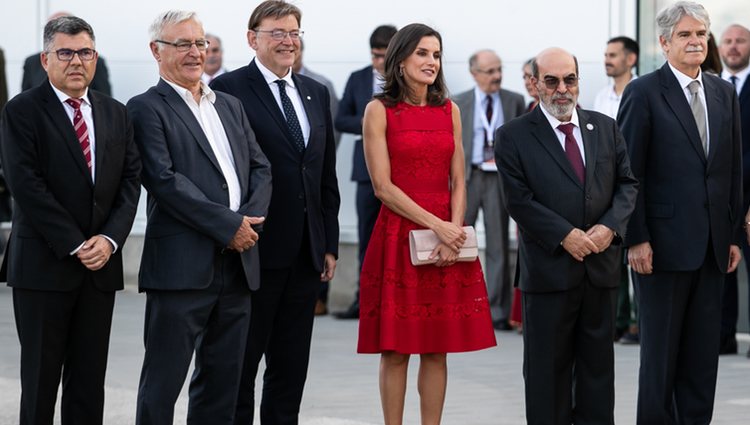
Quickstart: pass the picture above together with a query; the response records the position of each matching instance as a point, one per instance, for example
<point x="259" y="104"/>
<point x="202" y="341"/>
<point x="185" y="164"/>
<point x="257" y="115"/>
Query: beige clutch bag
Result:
<point x="423" y="241"/>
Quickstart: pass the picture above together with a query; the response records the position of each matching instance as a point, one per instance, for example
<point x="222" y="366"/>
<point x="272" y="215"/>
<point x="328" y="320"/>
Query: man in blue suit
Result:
<point x="359" y="89"/>
<point x="682" y="127"/>
<point x="734" y="49"/>
<point x="291" y="117"/>
<point x="209" y="187"/>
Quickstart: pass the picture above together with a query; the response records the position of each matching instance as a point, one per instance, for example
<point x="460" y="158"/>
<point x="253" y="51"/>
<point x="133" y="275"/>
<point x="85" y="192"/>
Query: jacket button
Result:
<point x="301" y="196"/>
<point x="224" y="186"/>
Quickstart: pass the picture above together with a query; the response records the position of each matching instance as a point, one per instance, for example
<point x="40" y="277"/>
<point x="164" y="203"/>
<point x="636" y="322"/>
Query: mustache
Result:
<point x="566" y="96"/>
<point x="694" y="49"/>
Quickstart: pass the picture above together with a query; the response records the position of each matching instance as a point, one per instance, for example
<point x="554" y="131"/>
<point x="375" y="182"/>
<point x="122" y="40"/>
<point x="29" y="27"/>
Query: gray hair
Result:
<point x="70" y="25"/>
<point x="668" y="18"/>
<point x="170" y="17"/>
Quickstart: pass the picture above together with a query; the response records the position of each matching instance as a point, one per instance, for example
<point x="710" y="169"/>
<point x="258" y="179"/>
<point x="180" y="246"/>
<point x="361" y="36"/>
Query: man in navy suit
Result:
<point x="209" y="187"/>
<point x="682" y="127"/>
<point x="734" y="49"/>
<point x="359" y="89"/>
<point x="291" y="117"/>
<point x="71" y="165"/>
<point x="567" y="183"/>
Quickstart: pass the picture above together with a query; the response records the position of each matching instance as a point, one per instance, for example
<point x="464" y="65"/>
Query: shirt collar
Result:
<point x="683" y="79"/>
<point x="741" y="76"/>
<point x="271" y="78"/>
<point x="186" y="95"/>
<point x="481" y="96"/>
<point x="63" y="97"/>
<point x="554" y="122"/>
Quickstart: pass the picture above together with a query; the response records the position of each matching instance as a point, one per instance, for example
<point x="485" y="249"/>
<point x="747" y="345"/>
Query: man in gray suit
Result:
<point x="483" y="109"/>
<point x="209" y="188"/>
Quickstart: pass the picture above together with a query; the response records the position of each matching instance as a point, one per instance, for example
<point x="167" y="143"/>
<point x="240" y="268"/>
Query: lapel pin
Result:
<point x="589" y="126"/>
<point x="308" y="97"/>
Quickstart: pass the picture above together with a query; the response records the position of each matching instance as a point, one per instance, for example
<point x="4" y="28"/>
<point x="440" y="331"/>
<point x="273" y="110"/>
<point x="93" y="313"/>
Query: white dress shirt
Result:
<point x="482" y="125"/>
<point x="292" y="92"/>
<point x="741" y="78"/>
<point x="684" y="81"/>
<point x="88" y="118"/>
<point x="554" y="123"/>
<point x="208" y="118"/>
<point x="607" y="101"/>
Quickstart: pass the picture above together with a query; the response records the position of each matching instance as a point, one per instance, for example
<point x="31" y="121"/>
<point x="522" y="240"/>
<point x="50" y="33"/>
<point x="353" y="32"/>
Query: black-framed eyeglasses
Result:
<point x="185" y="46"/>
<point x="280" y="35"/>
<point x="490" y="71"/>
<point x="553" y="83"/>
<point x="66" y="55"/>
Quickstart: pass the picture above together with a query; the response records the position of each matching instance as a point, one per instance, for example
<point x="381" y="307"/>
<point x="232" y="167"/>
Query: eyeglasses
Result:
<point x="553" y="83"/>
<point x="280" y="35"/>
<point x="526" y="76"/>
<point x="490" y="71"/>
<point x="66" y="55"/>
<point x="378" y="55"/>
<point x="185" y="46"/>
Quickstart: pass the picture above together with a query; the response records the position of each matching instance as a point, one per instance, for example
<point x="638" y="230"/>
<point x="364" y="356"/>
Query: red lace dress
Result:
<point x="423" y="309"/>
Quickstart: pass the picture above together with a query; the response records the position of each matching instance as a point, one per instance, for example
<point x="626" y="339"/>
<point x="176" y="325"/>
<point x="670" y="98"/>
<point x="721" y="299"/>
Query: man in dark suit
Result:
<point x="682" y="127"/>
<point x="483" y="109"/>
<point x="568" y="185"/>
<point x="291" y="117"/>
<point x="734" y="49"/>
<point x="73" y="169"/>
<point x="358" y="92"/>
<point x="209" y="187"/>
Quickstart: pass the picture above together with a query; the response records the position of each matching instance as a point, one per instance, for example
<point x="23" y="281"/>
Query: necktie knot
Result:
<point x="567" y="129"/>
<point x="75" y="103"/>
<point x="694" y="86"/>
<point x="282" y="84"/>
<point x="733" y="79"/>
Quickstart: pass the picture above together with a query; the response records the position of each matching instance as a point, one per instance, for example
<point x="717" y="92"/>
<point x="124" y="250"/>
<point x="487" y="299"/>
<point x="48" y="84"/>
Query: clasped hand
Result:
<point x="452" y="238"/>
<point x="95" y="252"/>
<point x="579" y="244"/>
<point x="246" y="237"/>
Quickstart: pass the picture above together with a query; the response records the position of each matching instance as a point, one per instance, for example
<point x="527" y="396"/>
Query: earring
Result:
<point x="401" y="71"/>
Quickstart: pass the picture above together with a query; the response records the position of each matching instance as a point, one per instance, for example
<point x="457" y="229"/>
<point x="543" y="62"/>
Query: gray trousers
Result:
<point x="483" y="191"/>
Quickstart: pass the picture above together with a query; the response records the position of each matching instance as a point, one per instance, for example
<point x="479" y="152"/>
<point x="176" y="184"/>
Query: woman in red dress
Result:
<point x="412" y="140"/>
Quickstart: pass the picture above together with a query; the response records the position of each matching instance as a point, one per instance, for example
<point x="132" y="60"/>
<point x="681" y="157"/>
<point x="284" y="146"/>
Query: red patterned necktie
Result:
<point x="82" y="131"/>
<point x="572" y="151"/>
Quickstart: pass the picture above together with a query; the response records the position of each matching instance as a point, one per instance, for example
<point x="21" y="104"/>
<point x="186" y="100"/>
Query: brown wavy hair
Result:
<point x="402" y="45"/>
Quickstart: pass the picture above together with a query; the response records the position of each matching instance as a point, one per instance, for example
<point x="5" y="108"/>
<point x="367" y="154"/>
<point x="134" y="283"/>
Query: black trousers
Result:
<point x="680" y="321"/>
<point x="68" y="333"/>
<point x="368" y="208"/>
<point x="568" y="356"/>
<point x="212" y="322"/>
<point x="281" y="329"/>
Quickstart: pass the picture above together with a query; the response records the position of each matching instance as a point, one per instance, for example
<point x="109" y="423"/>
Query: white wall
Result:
<point x="336" y="37"/>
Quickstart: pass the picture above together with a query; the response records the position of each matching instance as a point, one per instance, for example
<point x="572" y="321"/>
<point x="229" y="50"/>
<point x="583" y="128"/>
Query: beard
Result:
<point x="557" y="110"/>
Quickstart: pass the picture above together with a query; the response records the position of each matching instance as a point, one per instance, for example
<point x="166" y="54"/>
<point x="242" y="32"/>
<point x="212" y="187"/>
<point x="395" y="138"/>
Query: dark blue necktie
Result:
<point x="291" y="117"/>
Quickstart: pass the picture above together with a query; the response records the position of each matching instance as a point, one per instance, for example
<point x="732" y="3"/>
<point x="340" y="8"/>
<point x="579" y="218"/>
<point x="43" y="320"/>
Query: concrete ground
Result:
<point x="485" y="387"/>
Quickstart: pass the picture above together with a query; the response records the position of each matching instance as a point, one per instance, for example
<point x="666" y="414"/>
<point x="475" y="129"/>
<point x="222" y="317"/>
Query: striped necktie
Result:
<point x="82" y="131"/>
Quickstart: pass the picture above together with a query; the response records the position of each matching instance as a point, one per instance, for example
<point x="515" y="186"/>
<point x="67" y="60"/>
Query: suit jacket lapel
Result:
<point x="237" y="143"/>
<point x="714" y="108"/>
<point x="590" y="134"/>
<point x="313" y="114"/>
<point x="59" y="117"/>
<point x="546" y="136"/>
<point x="100" y="130"/>
<point x="675" y="97"/>
<point x="177" y="103"/>
<point x="259" y="85"/>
